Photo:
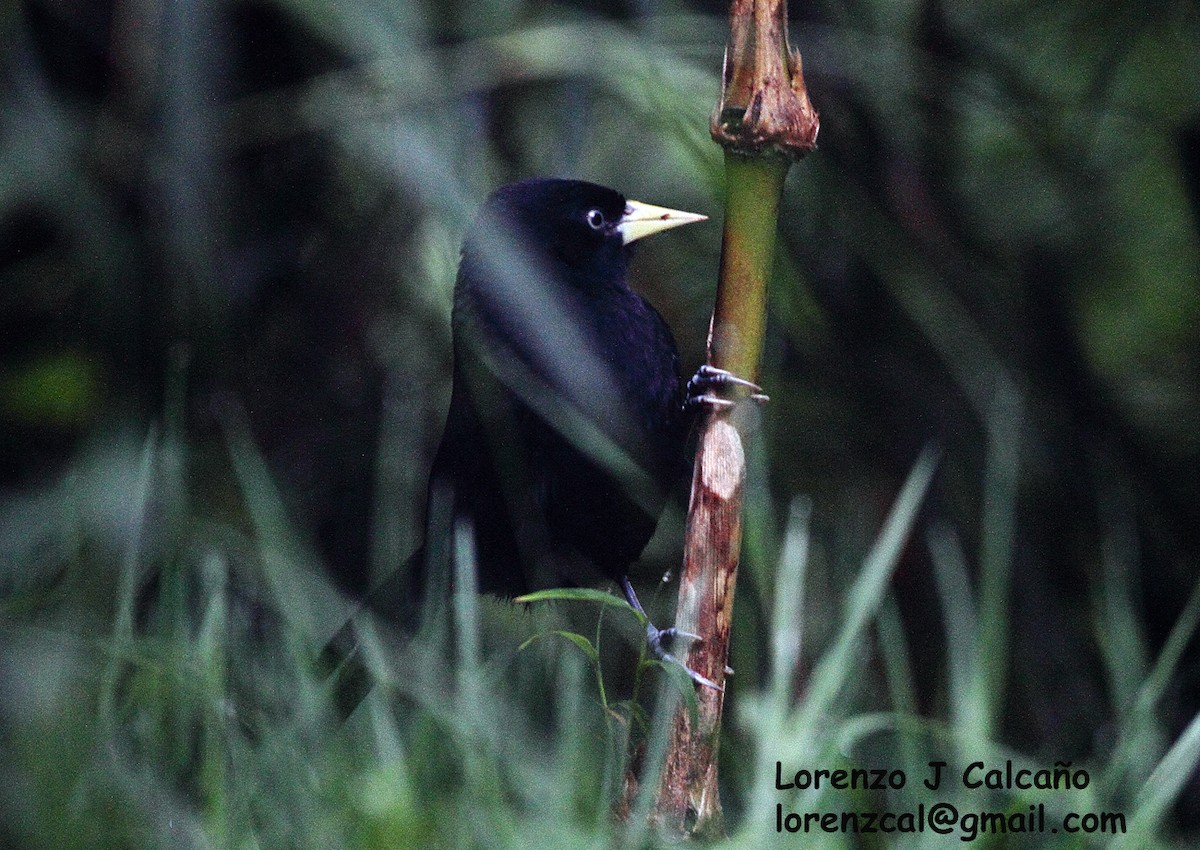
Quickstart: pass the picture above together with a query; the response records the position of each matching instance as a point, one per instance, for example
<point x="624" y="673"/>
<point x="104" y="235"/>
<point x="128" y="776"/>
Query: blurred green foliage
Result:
<point x="228" y="235"/>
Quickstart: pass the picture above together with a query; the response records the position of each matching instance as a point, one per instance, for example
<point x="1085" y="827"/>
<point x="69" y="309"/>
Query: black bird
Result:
<point x="568" y="417"/>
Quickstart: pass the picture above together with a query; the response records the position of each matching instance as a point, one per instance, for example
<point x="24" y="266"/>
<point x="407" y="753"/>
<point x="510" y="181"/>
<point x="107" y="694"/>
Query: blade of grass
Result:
<point x="122" y="630"/>
<point x="1139" y="730"/>
<point x="893" y="646"/>
<point x="867" y="592"/>
<point x="581" y="594"/>
<point x="787" y="634"/>
<point x="291" y="571"/>
<point x="1161" y="788"/>
<point x="998" y="521"/>
<point x="968" y="704"/>
<point x="787" y="631"/>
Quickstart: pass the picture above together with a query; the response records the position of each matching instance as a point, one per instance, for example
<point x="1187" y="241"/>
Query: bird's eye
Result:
<point x="595" y="219"/>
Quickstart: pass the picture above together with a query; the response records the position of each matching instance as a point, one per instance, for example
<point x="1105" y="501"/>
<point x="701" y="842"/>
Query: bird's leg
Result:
<point x="708" y="378"/>
<point x="655" y="637"/>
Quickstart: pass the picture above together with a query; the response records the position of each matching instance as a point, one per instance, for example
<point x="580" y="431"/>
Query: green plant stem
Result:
<point x="763" y="120"/>
<point x="754" y="187"/>
<point x="688" y="798"/>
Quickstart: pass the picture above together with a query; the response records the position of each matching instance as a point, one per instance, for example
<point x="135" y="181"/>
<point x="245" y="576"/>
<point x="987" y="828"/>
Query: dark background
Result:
<point x="225" y="213"/>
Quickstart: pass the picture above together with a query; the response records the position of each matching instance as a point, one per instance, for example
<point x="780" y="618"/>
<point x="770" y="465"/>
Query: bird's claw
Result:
<point x="671" y="633"/>
<point x="655" y="639"/>
<point x="708" y="378"/>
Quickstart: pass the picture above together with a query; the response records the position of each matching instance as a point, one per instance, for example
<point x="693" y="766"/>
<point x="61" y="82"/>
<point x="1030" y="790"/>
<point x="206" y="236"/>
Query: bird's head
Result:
<point x="572" y="222"/>
<point x="542" y="306"/>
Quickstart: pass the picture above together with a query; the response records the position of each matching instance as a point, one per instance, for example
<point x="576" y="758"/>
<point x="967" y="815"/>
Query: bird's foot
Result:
<point x="656" y="639"/>
<point x="702" y="389"/>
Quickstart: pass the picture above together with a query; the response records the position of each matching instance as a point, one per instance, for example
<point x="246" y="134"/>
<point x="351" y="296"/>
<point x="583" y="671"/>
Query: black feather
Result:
<point x="566" y="425"/>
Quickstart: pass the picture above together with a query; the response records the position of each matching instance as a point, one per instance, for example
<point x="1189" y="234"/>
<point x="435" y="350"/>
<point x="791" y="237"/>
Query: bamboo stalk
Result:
<point x="764" y="120"/>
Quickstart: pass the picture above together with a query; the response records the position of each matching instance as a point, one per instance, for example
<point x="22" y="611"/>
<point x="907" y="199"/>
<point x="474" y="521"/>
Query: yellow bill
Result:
<point x="646" y="220"/>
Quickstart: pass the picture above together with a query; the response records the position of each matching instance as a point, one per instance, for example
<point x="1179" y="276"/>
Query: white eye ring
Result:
<point x="595" y="219"/>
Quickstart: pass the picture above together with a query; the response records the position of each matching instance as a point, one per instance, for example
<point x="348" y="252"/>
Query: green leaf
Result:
<point x="1163" y="787"/>
<point x="581" y="594"/>
<point x="867" y="592"/>
<point x="579" y="640"/>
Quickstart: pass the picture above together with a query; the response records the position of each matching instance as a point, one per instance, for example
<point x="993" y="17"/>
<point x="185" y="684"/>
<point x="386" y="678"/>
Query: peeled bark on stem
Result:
<point x="763" y="120"/>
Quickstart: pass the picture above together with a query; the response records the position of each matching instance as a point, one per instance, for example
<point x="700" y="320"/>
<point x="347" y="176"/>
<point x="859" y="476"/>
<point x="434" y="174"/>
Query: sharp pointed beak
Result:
<point x="646" y="219"/>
